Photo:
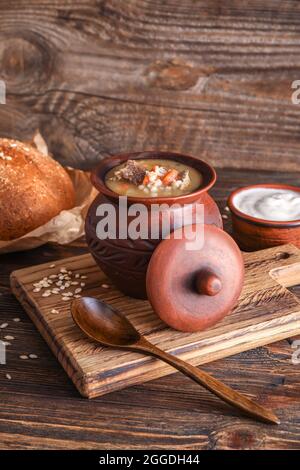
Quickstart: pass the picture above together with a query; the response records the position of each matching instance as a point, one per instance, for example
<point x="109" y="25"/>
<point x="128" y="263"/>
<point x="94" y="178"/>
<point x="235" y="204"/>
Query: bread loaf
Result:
<point x="34" y="188"/>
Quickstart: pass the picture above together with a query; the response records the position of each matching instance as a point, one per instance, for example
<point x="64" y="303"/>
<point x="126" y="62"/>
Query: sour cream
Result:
<point x="280" y="205"/>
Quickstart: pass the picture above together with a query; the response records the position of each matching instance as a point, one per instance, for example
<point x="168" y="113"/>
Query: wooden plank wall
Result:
<point x="211" y="78"/>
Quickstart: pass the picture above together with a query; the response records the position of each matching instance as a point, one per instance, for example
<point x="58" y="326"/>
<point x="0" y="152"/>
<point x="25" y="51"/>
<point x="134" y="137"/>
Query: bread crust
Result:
<point x="34" y="188"/>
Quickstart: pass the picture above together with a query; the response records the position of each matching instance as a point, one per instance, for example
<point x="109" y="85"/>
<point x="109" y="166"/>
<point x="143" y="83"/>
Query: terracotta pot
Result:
<point x="252" y="233"/>
<point x="125" y="261"/>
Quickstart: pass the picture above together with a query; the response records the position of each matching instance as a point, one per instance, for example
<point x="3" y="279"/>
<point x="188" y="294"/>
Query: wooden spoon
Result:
<point x="110" y="328"/>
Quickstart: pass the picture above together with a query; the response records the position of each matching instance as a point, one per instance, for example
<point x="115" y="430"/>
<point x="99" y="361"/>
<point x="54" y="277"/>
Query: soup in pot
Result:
<point x="153" y="178"/>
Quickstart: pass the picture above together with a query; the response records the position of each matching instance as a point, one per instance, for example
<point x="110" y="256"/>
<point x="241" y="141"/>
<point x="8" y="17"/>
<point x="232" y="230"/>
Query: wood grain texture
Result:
<point x="41" y="409"/>
<point x="208" y="78"/>
<point x="266" y="312"/>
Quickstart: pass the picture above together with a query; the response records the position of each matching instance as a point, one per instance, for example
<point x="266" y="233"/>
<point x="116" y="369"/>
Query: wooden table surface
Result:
<point x="41" y="409"/>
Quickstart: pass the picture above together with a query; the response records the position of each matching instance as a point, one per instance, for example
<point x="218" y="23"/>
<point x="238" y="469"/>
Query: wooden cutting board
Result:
<point x="266" y="312"/>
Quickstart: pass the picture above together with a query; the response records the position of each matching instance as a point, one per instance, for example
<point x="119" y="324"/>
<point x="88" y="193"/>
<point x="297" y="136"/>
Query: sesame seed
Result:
<point x="54" y="310"/>
<point x="225" y="216"/>
<point x="74" y="283"/>
<point x="8" y="337"/>
<point x="33" y="356"/>
<point x="78" y="290"/>
<point x="4" y="325"/>
<point x="52" y="266"/>
<point x="65" y="299"/>
<point x="77" y="296"/>
<point x="23" y="356"/>
<point x="53" y="276"/>
<point x="105" y="286"/>
<point x="77" y="276"/>
<point x="227" y="209"/>
<point x="82" y="284"/>
<point x="8" y="376"/>
<point x="46" y="294"/>
<point x="83" y="277"/>
<point x="37" y="289"/>
<point x="17" y="319"/>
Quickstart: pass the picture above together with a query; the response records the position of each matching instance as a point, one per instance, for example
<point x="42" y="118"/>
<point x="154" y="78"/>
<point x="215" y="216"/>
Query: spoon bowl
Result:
<point x="103" y="323"/>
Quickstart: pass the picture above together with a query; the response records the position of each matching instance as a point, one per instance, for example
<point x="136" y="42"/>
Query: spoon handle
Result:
<point x="215" y="386"/>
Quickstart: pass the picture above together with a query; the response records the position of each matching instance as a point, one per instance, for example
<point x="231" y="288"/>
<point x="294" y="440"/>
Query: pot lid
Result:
<point x="195" y="277"/>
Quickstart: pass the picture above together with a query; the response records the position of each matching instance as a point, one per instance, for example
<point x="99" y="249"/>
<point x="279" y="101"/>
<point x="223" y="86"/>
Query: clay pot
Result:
<point x="252" y="233"/>
<point x="125" y="261"/>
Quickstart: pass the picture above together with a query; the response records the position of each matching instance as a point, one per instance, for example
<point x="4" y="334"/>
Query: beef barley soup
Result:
<point x="153" y="178"/>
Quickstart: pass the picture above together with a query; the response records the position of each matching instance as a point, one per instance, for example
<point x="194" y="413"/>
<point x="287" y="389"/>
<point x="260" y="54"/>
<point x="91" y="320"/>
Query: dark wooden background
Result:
<point x="211" y="78"/>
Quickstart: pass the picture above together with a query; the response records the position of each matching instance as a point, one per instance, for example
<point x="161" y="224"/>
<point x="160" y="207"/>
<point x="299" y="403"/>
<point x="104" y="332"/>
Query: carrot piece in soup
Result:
<point x="170" y="176"/>
<point x="146" y="180"/>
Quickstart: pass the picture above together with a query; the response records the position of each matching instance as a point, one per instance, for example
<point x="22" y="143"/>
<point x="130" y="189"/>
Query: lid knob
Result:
<point x="208" y="283"/>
